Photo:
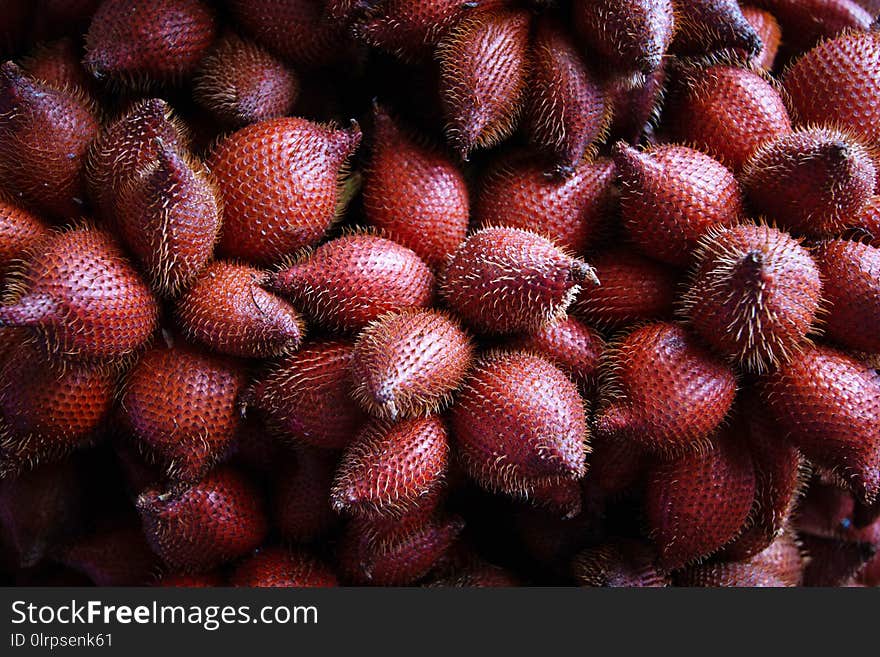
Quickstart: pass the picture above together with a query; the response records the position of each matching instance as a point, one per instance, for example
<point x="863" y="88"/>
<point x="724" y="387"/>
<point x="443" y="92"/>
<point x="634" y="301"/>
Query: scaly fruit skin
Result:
<point x="44" y="136"/>
<point x="838" y="78"/>
<point x="704" y="26"/>
<point x="509" y="280"/>
<point x="663" y="390"/>
<point x="727" y="112"/>
<point x="783" y="558"/>
<point x="58" y="64"/>
<point x="409" y="363"/>
<point x="153" y="41"/>
<point x="767" y="28"/>
<point x="828" y="403"/>
<point x="181" y="405"/>
<point x="635" y="106"/>
<point x="279" y="182"/>
<point x="729" y="574"/>
<point x="351" y="281"/>
<point x="805" y="22"/>
<point x="414" y="194"/>
<point x="867" y="221"/>
<point x="671" y="196"/>
<point x="811" y="181"/>
<point x="631" y="36"/>
<point x="83" y="298"/>
<point x="301" y="501"/>
<point x="126" y="146"/>
<point x="569" y="344"/>
<point x="518" y="422"/>
<point x="169" y="216"/>
<point x="620" y="563"/>
<point x="240" y="83"/>
<point x="277" y="567"/>
<point x="571" y="212"/>
<point x="483" y="75"/>
<point x="21" y="232"/>
<point x="306" y="398"/>
<point x="47" y="411"/>
<point x="395" y="556"/>
<point x="634" y="289"/>
<point x="293" y="30"/>
<point x="567" y="108"/>
<point x="754" y="295"/>
<point x="228" y="311"/>
<point x="697" y="502"/>
<point x="410" y="30"/>
<point x="851" y="273"/>
<point x="201" y="527"/>
<point x="390" y="468"/>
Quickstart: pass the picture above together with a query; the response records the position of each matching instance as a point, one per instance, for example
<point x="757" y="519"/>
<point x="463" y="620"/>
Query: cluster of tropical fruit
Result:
<point x="394" y="292"/>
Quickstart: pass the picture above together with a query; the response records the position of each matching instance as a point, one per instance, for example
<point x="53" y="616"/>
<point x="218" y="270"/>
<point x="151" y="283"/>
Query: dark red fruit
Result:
<point x="348" y="282"/>
<point x="229" y="311"/>
<point x="301" y="495"/>
<point x="704" y="26"/>
<point x="414" y="193"/>
<point x="201" y="527"/>
<point x="663" y="390"/>
<point x="671" y="196"/>
<point x="81" y="296"/>
<point x="767" y="28"/>
<point x="44" y="135"/>
<point x="571" y="212"/>
<point x="518" y="422"/>
<point x="59" y="64"/>
<point x="804" y="22"/>
<point x="279" y="182"/>
<point x="181" y="404"/>
<point x="114" y="555"/>
<point x="21" y="232"/>
<point x="867" y="221"/>
<point x="192" y="581"/>
<point x="278" y="567"/>
<point x="509" y="280"/>
<point x="621" y="563"/>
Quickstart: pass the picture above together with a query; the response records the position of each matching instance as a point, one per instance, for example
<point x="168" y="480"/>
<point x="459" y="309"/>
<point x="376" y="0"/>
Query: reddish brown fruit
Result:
<point x="672" y="196"/>
<point x="616" y="466"/>
<point x="409" y="363"/>
<point x="410" y="30"/>
<point x="705" y="26"/>
<point x="569" y="344"/>
<point x="867" y="221"/>
<point x="572" y="212"/>
<point x="754" y="295"/>
<point x="346" y="10"/>
<point x="567" y="108"/>
<point x="57" y="17"/>
<point x="767" y="28"/>
<point x="634" y="289"/>
<point x="82" y="297"/>
<point x="44" y="135"/>
<point x="307" y="397"/>
<point x="727" y="112"/>
<point x="21" y="232"/>
<point x="784" y="559"/>
<point x="58" y="64"/>
<point x="832" y="562"/>
<point x="181" y="405"/>
<point x="561" y="497"/>
<point x="117" y="555"/>
<point x="518" y="422"/>
<point x="48" y="411"/>
<point x="636" y="106"/>
<point x="697" y="502"/>
<point x="415" y="194"/>
<point x="277" y="567"/>
<point x="620" y="563"/>
<point x="829" y="405"/>
<point x="228" y="310"/>
<point x="201" y="527"/>
<point x="629" y="36"/>
<point x="851" y="274"/>
<point x="279" y="181"/>
<point x="838" y="79"/>
<point x="826" y="510"/>
<point x="240" y="83"/>
<point x="663" y="390"/>
<point x="192" y="581"/>
<point x="302" y="511"/>
<point x="728" y="574"/>
<point x="395" y="556"/>
<point x="811" y="181"/>
<point x="127" y="146"/>
<point x="483" y="75"/>
<point x="389" y="468"/>
<point x="169" y="217"/>
<point x="294" y="30"/>
<point x="40" y="509"/>
<point x="805" y="22"/>
<point x="156" y="41"/>
<point x="348" y="282"/>
<point x="509" y="280"/>
<point x="476" y="575"/>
